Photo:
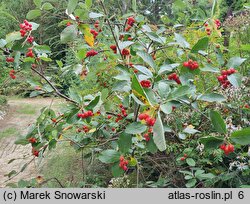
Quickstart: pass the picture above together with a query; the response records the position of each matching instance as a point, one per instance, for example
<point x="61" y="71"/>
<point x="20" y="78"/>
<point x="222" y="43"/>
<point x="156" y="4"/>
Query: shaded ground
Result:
<point x="20" y="115"/>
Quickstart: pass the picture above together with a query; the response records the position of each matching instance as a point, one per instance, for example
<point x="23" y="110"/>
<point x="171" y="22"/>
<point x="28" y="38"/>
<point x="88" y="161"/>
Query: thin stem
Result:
<point x="53" y="87"/>
<point x="111" y="29"/>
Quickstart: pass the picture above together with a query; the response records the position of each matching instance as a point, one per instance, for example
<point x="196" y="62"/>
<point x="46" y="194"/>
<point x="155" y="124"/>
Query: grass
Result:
<point x="9" y="132"/>
<point x="65" y="164"/>
<point x="26" y="109"/>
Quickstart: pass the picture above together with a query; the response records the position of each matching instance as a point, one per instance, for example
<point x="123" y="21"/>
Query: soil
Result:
<point x="18" y="154"/>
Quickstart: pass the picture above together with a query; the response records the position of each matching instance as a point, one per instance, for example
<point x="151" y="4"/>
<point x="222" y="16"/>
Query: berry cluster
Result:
<point x="227" y="148"/>
<point x="30" y="39"/>
<point x="91" y="53"/>
<point x="217" y="23"/>
<point x="96" y="25"/>
<point x="32" y="140"/>
<point x="94" y="33"/>
<point x="25" y="27"/>
<point x="150" y="121"/>
<point x="114" y="48"/>
<point x="130" y="22"/>
<point x="146" y="137"/>
<point x="30" y="53"/>
<point x="246" y="106"/>
<point x="85" y="128"/>
<point x="208" y="30"/>
<point x="145" y="83"/>
<point x="85" y="115"/>
<point x="125" y="52"/>
<point x="123" y="163"/>
<point x="223" y="77"/>
<point x="35" y="152"/>
<point x="191" y="64"/>
<point x="174" y="77"/>
<point x="10" y="59"/>
<point x="122" y="114"/>
<point x="12" y="74"/>
<point x="184" y="157"/>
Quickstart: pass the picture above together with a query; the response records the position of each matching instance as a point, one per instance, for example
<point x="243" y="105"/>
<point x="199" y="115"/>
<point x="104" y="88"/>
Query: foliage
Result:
<point x="123" y="107"/>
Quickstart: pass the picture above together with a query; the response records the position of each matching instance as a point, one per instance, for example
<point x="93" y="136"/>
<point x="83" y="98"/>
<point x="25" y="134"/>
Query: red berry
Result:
<point x="10" y="59"/>
<point x="145" y="83"/>
<point x="231" y="148"/>
<point x="185" y="155"/>
<point x="183" y="158"/>
<point x="32" y="140"/>
<point x="222" y="146"/>
<point x="91" y="53"/>
<point x="125" y="52"/>
<point x="109" y="116"/>
<point x="185" y="64"/>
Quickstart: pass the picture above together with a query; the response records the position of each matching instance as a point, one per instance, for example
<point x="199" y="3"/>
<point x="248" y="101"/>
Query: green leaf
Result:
<point x="241" y="137"/>
<point x="219" y="57"/>
<point x="179" y="92"/>
<point x="212" y="97"/>
<point x="73" y="94"/>
<point x="235" y="79"/>
<point x="218" y="122"/>
<point x="72" y="4"/>
<point x="42" y="48"/>
<point x="34" y="25"/>
<point x="116" y="170"/>
<point x="163" y="89"/>
<point x="109" y="156"/>
<point x="93" y="103"/>
<point x="47" y="6"/>
<point x="52" y="144"/>
<point x="135" y="128"/>
<point x="205" y="176"/>
<point x="22" y="141"/>
<point x="32" y="14"/>
<point x="166" y="107"/>
<point x="95" y="15"/>
<point x="69" y="34"/>
<point x="167" y="68"/>
<point x="144" y="70"/>
<point x="190" y="130"/>
<point x="200" y="45"/>
<point x="13" y="36"/>
<point x="156" y="38"/>
<point x="38" y="3"/>
<point x="134" y="5"/>
<point x="181" y="41"/>
<point x="191" y="183"/>
<point x="147" y="58"/>
<point x="125" y="44"/>
<point x="2" y="43"/>
<point x="209" y="68"/>
<point x="214" y="7"/>
<point x="136" y="87"/>
<point x="88" y="3"/>
<point x="235" y="62"/>
<point x="24" y="167"/>
<point x="12" y="173"/>
<point x="151" y="146"/>
<point x="124" y="142"/>
<point x="211" y="142"/>
<point x="158" y="134"/>
<point x="190" y="162"/>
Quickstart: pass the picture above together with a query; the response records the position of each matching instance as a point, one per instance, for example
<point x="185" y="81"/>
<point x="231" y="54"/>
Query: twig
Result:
<point x="109" y="24"/>
<point x="53" y="87"/>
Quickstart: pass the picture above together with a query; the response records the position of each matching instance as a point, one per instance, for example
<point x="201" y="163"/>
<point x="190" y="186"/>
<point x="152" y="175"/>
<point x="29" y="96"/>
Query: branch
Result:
<point x="109" y="24"/>
<point x="53" y="87"/>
